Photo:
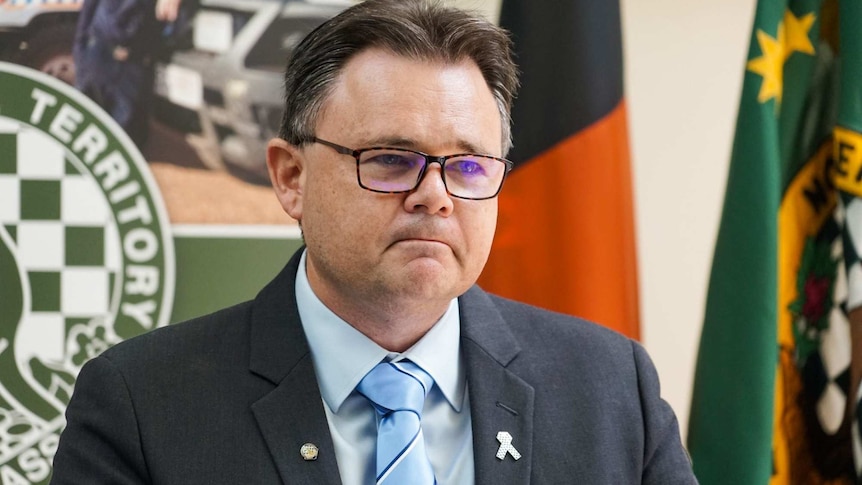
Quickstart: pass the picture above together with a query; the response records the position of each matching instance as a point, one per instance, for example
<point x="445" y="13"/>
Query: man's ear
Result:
<point x="286" y="166"/>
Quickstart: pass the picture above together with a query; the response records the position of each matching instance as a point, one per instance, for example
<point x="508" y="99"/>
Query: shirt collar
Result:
<point x="338" y="372"/>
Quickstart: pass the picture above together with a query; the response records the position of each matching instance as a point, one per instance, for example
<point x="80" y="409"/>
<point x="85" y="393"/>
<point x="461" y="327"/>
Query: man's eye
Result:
<point x="468" y="167"/>
<point x="392" y="160"/>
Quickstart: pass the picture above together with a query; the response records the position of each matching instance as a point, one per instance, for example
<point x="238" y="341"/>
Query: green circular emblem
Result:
<point x="86" y="256"/>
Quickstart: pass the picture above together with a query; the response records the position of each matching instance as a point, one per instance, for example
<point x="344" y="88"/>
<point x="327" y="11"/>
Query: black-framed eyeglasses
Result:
<point x="397" y="170"/>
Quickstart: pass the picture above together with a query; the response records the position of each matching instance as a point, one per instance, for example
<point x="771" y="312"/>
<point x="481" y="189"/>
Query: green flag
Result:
<point x="774" y="388"/>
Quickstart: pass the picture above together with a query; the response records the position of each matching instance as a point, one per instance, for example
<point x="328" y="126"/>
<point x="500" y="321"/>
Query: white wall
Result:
<point x="684" y="62"/>
<point x="684" y="65"/>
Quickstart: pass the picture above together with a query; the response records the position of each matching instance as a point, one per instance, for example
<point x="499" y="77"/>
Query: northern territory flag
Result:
<point x="775" y="396"/>
<point x="565" y="237"/>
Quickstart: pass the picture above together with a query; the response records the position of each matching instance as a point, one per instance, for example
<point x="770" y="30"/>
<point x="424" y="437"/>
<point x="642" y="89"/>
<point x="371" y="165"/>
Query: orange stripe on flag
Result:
<point x="565" y="237"/>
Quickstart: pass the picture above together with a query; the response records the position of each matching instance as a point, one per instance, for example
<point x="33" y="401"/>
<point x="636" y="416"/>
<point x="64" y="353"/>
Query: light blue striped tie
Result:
<point x="397" y="391"/>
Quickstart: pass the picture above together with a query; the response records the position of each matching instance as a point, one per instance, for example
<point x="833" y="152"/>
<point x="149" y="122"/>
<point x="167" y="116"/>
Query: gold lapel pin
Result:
<point x="309" y="451"/>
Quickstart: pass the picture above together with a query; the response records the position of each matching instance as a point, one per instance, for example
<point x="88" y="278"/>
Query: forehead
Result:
<point x="380" y="95"/>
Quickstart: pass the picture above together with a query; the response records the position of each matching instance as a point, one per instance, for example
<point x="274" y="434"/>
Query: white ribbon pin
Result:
<point x="505" y="440"/>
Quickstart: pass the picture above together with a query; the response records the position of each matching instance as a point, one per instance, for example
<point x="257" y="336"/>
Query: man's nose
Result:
<point x="430" y="196"/>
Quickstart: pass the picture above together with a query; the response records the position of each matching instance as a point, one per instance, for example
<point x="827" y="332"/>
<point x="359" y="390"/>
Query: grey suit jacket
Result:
<point x="231" y="397"/>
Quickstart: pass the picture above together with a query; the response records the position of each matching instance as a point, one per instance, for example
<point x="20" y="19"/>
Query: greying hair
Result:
<point x="415" y="29"/>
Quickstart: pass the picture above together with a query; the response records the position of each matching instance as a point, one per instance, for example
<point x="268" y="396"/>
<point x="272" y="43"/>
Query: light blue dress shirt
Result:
<point x="342" y="356"/>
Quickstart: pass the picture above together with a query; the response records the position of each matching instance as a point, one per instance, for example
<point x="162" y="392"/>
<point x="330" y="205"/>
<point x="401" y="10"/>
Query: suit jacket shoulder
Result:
<point x="225" y="398"/>
<point x="585" y="399"/>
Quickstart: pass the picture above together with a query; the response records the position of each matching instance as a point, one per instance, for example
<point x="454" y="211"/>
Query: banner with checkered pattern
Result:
<point x="86" y="257"/>
<point x="87" y="254"/>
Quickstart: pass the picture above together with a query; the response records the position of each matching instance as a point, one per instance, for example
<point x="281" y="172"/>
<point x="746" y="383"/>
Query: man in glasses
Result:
<point x="373" y="357"/>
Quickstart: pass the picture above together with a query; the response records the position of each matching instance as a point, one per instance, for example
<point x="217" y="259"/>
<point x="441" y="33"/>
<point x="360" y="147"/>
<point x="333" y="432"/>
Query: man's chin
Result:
<point x="428" y="278"/>
<point x="429" y="268"/>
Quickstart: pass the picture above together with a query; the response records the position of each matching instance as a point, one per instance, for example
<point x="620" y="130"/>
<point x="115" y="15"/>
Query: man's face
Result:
<point x="422" y="246"/>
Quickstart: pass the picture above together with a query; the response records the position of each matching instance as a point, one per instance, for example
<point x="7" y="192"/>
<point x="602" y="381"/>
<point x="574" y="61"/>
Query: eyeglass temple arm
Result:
<point x="340" y="149"/>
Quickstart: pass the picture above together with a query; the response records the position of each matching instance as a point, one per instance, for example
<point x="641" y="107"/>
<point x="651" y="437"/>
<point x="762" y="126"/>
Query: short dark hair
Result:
<point x="416" y="29"/>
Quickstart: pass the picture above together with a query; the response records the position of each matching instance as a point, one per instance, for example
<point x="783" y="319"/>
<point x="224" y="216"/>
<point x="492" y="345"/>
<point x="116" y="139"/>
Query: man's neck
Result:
<point x="393" y="325"/>
<point x="393" y="320"/>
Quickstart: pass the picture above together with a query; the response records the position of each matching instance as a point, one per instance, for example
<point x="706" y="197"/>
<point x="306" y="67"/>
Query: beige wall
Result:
<point x="684" y="66"/>
<point x="684" y="62"/>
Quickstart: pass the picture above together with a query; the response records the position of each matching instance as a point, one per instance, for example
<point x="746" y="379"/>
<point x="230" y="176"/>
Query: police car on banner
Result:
<point x="223" y="88"/>
<point x="218" y="81"/>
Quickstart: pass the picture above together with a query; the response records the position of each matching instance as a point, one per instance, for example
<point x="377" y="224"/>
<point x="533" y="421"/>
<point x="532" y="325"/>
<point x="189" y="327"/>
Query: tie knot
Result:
<point x="396" y="386"/>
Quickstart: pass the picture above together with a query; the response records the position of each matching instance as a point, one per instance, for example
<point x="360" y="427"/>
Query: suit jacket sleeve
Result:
<point x="101" y="443"/>
<point x="665" y="459"/>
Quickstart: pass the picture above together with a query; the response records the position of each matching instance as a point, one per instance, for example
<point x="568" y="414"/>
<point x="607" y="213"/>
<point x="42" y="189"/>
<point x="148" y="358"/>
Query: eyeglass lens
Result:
<point x="391" y="170"/>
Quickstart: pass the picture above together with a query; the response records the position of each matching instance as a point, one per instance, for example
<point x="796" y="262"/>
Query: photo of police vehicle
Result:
<point x="219" y="76"/>
<point x="222" y="86"/>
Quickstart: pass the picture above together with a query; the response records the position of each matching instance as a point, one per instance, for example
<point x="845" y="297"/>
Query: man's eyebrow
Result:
<point x="393" y="141"/>
<point x="402" y="142"/>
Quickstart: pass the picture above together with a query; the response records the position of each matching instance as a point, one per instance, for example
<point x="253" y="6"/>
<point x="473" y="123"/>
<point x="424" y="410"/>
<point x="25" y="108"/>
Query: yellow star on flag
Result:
<point x="770" y="65"/>
<point x="792" y="37"/>
<point x="796" y="30"/>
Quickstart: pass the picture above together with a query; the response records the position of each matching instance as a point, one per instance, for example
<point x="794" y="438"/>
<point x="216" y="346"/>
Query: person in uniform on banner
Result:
<point x="115" y="46"/>
<point x="373" y="357"/>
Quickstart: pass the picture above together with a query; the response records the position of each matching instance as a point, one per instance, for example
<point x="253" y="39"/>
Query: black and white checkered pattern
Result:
<point x="852" y="245"/>
<point x="826" y="371"/>
<point x="67" y="248"/>
<point x="66" y="240"/>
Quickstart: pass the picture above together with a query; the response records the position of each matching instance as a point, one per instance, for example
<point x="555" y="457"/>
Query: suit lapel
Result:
<point x="499" y="399"/>
<point x="292" y="414"/>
